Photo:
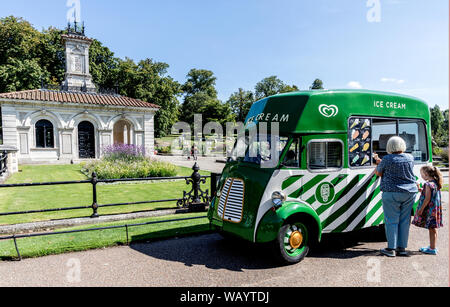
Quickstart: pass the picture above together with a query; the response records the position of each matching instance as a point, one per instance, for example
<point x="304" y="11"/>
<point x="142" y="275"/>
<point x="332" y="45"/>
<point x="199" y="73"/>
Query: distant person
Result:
<point x="429" y="211"/>
<point x="399" y="187"/>
<point x="194" y="152"/>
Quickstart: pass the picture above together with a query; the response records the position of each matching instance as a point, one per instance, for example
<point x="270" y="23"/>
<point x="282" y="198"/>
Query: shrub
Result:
<point x="164" y="149"/>
<point x="444" y="155"/>
<point x="123" y="152"/>
<point x="119" y="169"/>
<point x="128" y="161"/>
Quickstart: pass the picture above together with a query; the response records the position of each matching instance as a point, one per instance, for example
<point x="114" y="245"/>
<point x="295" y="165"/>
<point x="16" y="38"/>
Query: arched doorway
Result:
<point x="122" y="132"/>
<point x="86" y="140"/>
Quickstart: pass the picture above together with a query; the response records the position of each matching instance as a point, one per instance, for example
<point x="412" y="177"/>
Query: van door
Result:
<point x="325" y="181"/>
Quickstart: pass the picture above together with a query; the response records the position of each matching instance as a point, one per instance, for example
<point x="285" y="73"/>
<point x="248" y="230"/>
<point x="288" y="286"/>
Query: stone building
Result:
<point x="76" y="121"/>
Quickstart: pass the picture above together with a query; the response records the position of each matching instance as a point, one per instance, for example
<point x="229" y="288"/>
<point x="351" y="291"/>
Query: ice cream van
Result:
<point x="323" y="178"/>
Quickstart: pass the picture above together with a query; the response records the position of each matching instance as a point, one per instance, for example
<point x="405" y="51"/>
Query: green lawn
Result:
<point x="60" y="196"/>
<point x="62" y="243"/>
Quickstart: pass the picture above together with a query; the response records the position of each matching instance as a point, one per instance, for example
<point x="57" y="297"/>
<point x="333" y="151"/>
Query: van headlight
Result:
<point x="278" y="198"/>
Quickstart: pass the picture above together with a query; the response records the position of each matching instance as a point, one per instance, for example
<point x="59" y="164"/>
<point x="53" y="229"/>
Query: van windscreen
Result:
<point x="261" y="149"/>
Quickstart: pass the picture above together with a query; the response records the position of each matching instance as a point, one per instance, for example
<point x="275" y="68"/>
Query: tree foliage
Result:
<point x="439" y="127"/>
<point x="29" y="58"/>
<point x="200" y="97"/>
<point x="271" y="86"/>
<point x="240" y="103"/>
<point x="317" y="85"/>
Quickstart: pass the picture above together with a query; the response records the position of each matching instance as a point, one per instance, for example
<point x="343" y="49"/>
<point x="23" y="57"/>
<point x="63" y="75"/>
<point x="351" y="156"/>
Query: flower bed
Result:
<point x="128" y="161"/>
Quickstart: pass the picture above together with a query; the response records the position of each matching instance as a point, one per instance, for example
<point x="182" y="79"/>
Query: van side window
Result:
<point x="413" y="131"/>
<point x="325" y="155"/>
<point x="415" y="135"/>
<point x="292" y="158"/>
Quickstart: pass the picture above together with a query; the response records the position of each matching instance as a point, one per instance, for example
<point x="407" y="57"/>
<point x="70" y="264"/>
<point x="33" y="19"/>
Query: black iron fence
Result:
<point x="196" y="200"/>
<point x="3" y="162"/>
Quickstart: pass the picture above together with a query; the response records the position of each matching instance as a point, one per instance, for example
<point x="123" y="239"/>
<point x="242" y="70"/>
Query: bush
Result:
<point x="106" y="169"/>
<point x="444" y="155"/>
<point x="123" y="152"/>
<point x="128" y="161"/>
<point x="164" y="149"/>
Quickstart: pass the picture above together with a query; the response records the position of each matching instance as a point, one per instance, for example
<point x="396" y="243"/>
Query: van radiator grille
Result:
<point x="231" y="201"/>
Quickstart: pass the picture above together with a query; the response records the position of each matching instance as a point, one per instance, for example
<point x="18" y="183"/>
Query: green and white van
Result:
<point x="323" y="180"/>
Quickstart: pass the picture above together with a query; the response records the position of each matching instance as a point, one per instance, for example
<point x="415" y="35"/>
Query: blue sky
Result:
<point x="244" y="41"/>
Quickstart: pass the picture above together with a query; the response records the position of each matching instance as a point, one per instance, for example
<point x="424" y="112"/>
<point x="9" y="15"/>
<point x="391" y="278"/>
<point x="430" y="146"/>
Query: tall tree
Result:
<point x="148" y="81"/>
<point x="240" y="103"/>
<point x="29" y="57"/>
<point x="200" y="81"/>
<point x="437" y="120"/>
<point x="317" y="85"/>
<point x="200" y="97"/>
<point x="20" y="55"/>
<point x="271" y="86"/>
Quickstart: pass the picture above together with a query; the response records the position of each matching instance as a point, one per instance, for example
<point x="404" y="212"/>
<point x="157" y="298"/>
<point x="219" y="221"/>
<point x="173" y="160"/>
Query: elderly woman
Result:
<point x="399" y="188"/>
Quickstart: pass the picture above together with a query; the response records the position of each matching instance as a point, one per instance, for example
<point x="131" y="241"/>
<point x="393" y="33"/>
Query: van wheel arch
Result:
<point x="310" y="222"/>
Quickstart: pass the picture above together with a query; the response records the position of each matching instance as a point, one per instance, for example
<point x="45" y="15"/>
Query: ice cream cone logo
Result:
<point x="328" y="111"/>
<point x="325" y="193"/>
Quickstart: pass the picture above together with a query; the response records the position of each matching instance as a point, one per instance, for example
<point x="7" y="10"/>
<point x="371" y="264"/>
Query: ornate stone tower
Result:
<point x="77" y="76"/>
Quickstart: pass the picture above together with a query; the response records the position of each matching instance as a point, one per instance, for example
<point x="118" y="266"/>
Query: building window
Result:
<point x="325" y="155"/>
<point x="44" y="134"/>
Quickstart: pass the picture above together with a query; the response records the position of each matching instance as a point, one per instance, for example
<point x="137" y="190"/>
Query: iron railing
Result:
<point x="3" y="162"/>
<point x="196" y="200"/>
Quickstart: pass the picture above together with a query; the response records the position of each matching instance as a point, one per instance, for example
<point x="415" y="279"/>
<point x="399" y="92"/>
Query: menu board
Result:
<point x="360" y="142"/>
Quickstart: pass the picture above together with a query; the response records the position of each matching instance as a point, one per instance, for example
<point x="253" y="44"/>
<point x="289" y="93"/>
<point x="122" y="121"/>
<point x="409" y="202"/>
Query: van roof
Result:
<point x="327" y="111"/>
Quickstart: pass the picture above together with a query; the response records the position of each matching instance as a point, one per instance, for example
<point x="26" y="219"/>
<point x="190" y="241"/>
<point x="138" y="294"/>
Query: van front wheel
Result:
<point x="292" y="244"/>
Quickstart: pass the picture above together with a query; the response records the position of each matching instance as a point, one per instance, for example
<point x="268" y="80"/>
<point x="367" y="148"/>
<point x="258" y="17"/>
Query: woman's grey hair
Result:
<point x="396" y="145"/>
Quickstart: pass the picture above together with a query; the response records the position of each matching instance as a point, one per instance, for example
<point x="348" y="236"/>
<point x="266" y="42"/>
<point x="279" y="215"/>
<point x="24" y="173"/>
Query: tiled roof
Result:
<point x="78" y="97"/>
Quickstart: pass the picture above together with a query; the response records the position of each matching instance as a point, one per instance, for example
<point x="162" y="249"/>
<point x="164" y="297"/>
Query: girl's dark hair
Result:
<point x="434" y="173"/>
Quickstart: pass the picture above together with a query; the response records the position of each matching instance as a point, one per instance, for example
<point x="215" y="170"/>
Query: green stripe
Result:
<point x="311" y="200"/>
<point x="339" y="179"/>
<point x="355" y="214"/>
<point x="334" y="182"/>
<point x="379" y="220"/>
<point x="307" y="186"/>
<point x="340" y="194"/>
<point x="290" y="181"/>
<point x="349" y="203"/>
<point x="369" y="215"/>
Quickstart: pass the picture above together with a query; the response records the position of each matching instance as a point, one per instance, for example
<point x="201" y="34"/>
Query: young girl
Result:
<point x="429" y="211"/>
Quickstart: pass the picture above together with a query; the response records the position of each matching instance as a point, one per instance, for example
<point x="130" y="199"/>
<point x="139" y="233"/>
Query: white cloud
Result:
<point x="354" y="85"/>
<point x="392" y="80"/>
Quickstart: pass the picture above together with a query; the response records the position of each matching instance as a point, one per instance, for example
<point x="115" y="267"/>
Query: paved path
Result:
<point x="209" y="260"/>
<point x="205" y="163"/>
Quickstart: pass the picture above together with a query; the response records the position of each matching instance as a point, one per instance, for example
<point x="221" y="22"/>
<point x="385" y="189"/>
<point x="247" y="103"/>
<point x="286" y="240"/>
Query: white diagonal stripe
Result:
<point x="374" y="217"/>
<point x="363" y="214"/>
<point x="341" y="185"/>
<point x="349" y="195"/>
<point x="352" y="209"/>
